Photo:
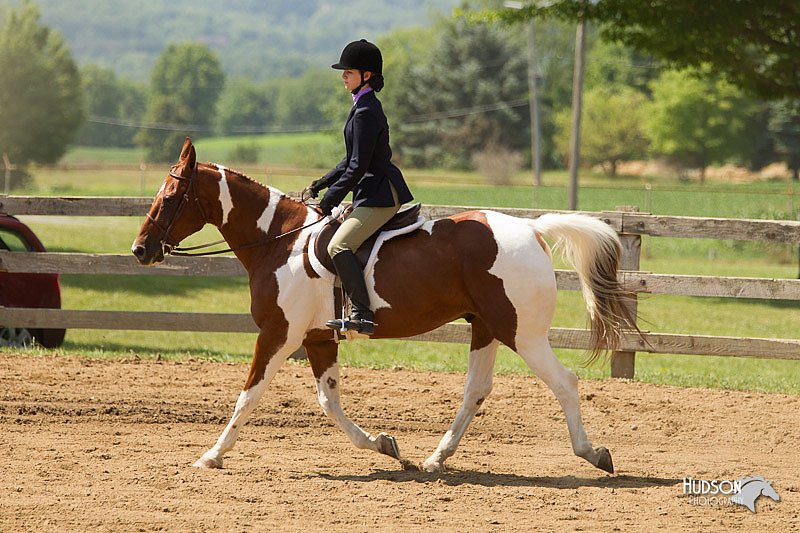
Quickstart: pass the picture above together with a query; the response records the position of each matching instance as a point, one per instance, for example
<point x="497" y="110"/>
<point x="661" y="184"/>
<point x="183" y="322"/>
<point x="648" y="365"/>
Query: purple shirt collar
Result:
<point x="361" y="93"/>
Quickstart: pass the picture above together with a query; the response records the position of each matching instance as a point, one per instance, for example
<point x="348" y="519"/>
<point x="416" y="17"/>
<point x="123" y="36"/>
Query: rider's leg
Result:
<point x="362" y="223"/>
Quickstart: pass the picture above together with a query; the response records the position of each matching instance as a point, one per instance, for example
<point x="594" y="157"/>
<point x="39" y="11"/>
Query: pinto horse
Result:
<point x="492" y="269"/>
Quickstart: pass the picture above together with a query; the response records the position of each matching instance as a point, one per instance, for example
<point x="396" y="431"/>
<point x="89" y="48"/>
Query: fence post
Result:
<point x="623" y="363"/>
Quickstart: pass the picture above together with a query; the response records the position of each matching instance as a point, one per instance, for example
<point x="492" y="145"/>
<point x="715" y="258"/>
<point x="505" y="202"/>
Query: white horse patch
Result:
<point x="225" y="200"/>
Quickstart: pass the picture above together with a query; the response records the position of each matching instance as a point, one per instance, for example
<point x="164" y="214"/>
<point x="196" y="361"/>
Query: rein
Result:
<point x="184" y="251"/>
<point x="180" y="251"/>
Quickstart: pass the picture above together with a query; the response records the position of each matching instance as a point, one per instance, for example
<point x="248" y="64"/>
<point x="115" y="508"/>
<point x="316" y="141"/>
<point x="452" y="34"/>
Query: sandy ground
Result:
<point x="107" y="446"/>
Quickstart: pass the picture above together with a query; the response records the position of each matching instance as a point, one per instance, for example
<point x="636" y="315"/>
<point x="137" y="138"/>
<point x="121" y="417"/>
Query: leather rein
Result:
<point x="171" y="249"/>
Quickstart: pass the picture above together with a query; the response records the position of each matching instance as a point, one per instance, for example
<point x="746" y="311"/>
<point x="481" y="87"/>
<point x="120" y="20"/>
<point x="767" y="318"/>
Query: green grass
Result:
<point x="303" y="149"/>
<point x="704" y="316"/>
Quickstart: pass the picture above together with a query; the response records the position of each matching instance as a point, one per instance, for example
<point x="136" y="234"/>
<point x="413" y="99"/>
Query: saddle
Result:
<point x="405" y="221"/>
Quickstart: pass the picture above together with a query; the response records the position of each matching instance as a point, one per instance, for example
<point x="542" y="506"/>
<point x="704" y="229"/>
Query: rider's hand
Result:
<point x="312" y="191"/>
<point x="308" y="193"/>
<point x="325" y="207"/>
<point x="314" y="188"/>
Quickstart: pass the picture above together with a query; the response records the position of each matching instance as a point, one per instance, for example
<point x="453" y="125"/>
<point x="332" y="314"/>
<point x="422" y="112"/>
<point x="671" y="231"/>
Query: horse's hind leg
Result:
<point x="322" y="356"/>
<point x="483" y="351"/>
<point x="267" y="360"/>
<point x="564" y="383"/>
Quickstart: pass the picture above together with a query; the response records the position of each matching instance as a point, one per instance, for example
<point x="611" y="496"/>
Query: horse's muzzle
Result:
<point x="145" y="257"/>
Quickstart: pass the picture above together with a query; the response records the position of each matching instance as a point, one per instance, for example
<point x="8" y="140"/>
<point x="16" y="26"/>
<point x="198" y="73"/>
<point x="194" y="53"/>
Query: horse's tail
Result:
<point x="594" y="250"/>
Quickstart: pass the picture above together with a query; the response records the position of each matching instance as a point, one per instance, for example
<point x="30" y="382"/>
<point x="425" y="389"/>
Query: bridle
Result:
<point x="173" y="249"/>
<point x="166" y="247"/>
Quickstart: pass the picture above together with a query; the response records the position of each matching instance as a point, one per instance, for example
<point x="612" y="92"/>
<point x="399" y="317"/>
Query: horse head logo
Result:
<point x="751" y="488"/>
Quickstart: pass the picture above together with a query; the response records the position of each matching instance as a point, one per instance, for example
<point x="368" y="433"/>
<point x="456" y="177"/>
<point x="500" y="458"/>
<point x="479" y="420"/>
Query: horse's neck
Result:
<point x="251" y="212"/>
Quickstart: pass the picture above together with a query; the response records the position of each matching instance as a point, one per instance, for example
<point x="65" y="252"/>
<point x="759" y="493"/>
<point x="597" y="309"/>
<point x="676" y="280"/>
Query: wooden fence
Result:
<point x="629" y="224"/>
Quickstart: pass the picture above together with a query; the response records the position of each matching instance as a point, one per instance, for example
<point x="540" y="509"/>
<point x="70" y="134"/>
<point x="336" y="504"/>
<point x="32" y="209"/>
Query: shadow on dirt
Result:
<point x="489" y="479"/>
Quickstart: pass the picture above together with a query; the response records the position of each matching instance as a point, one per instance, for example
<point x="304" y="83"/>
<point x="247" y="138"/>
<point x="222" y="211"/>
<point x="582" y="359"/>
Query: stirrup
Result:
<point x="352" y="323"/>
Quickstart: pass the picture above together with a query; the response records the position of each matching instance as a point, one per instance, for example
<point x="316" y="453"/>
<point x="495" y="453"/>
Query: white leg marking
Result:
<point x="248" y="399"/>
<point x="564" y="383"/>
<point x="329" y="399"/>
<point x="225" y="199"/>
<point x="477" y="388"/>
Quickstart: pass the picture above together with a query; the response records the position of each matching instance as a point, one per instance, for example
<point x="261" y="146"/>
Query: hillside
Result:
<point x="253" y="38"/>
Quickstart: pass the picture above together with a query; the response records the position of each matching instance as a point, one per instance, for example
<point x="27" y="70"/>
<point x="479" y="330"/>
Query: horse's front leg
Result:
<point x="323" y="358"/>
<point x="270" y="353"/>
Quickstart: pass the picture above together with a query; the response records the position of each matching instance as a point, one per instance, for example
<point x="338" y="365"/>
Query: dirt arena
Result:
<point x="107" y="446"/>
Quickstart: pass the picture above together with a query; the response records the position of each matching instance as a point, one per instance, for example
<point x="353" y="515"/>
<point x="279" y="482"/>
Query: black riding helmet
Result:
<point x="363" y="56"/>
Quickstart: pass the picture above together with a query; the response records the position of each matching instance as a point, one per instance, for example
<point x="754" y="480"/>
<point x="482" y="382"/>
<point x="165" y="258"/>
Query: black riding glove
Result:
<point x="325" y="207"/>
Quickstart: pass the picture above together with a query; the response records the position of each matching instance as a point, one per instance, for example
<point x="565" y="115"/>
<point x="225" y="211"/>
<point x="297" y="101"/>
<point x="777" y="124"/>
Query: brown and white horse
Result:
<point x="492" y="269"/>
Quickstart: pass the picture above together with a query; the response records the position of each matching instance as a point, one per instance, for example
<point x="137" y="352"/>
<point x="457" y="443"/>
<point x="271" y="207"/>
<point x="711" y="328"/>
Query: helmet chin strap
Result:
<point x="361" y="86"/>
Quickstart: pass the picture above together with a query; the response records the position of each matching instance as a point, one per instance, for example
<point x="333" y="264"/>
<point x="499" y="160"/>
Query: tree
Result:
<point x="697" y="122"/>
<point x="614" y="66"/>
<point x="466" y="94"/>
<point x="301" y="102"/>
<point x="40" y="93"/>
<point x="113" y="105"/>
<point x="754" y="44"/>
<point x="784" y="127"/>
<point x="245" y="107"/>
<point x="613" y="127"/>
<point x="185" y="85"/>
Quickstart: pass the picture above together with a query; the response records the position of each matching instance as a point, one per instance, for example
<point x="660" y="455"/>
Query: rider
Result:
<point x="378" y="186"/>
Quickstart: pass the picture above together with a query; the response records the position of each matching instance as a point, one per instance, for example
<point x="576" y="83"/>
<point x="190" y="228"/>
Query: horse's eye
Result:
<point x="169" y="199"/>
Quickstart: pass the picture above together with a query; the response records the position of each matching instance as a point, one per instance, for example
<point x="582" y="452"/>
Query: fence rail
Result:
<point x="631" y="225"/>
<point x="786" y="231"/>
<point x="640" y="282"/>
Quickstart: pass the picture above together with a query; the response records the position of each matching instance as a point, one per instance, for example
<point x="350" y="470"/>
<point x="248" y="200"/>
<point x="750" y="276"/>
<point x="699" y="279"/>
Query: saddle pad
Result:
<point x="405" y="221"/>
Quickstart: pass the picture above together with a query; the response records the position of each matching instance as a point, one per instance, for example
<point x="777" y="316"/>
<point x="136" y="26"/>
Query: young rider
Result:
<point x="378" y="186"/>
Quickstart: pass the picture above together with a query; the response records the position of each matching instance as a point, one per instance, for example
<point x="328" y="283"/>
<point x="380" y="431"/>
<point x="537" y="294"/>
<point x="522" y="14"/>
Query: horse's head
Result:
<point x="769" y="491"/>
<point x="176" y="211"/>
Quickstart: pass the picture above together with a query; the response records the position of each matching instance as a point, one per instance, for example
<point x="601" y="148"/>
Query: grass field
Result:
<point x="709" y="316"/>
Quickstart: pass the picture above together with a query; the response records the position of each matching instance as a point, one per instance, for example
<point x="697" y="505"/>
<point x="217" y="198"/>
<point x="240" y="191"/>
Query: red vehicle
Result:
<point x="26" y="290"/>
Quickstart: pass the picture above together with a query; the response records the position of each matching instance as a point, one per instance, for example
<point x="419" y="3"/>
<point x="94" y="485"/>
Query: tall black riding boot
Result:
<point x="353" y="282"/>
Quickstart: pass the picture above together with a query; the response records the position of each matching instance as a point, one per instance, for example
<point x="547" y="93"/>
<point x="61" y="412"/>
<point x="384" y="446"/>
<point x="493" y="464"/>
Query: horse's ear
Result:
<point x="188" y="155"/>
<point x="187" y="147"/>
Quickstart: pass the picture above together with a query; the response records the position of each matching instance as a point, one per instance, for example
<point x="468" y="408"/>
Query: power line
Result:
<point x="429" y="117"/>
<point x="300" y="128"/>
<point x="167" y="126"/>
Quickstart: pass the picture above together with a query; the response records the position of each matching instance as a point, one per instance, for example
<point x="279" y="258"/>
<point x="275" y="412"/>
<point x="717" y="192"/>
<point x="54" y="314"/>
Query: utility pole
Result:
<point x="533" y="103"/>
<point x="577" y="97"/>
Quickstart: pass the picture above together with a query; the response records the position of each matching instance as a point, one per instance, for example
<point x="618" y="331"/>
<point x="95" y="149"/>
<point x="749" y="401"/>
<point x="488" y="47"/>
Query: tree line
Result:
<point x="454" y="90"/>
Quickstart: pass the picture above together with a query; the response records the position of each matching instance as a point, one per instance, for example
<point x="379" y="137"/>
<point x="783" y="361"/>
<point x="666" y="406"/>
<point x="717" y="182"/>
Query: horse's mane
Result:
<point x="245" y="177"/>
<point x="239" y="174"/>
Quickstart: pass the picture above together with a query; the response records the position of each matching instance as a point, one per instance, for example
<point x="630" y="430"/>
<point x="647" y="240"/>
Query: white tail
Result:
<point x="594" y="249"/>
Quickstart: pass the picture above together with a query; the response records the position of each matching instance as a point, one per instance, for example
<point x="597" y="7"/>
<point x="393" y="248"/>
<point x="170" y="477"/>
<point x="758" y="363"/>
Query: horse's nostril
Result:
<point x="138" y="251"/>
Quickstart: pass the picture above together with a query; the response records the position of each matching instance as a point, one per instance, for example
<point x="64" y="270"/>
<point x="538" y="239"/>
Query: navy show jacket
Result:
<point x="367" y="168"/>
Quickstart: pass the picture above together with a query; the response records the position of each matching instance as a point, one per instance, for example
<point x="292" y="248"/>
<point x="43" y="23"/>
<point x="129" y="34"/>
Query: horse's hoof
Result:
<point x="207" y="462"/>
<point x="433" y="467"/>
<point x="387" y="445"/>
<point x="604" y="461"/>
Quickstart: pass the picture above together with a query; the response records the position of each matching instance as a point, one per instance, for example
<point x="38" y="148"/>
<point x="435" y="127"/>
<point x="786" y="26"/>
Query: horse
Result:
<point x="489" y="268"/>
<point x="752" y="487"/>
